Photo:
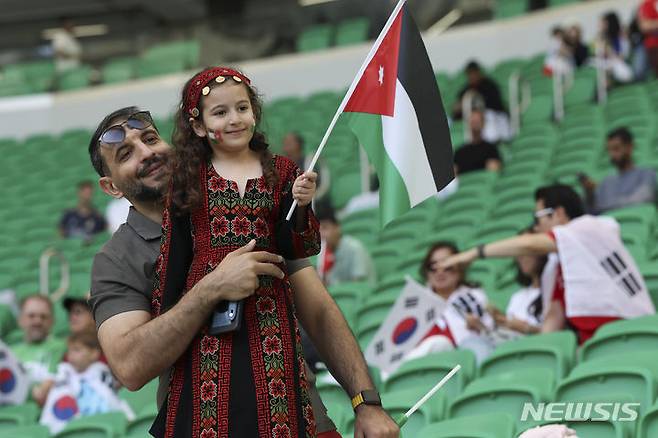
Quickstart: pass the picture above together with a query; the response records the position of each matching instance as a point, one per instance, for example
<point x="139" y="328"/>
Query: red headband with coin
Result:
<point x="199" y="85"/>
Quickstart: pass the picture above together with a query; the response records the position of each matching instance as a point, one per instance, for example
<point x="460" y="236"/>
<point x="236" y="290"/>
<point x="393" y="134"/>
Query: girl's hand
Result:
<point x="303" y="189"/>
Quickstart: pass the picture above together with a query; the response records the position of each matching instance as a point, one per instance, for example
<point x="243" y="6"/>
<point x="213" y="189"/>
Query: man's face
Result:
<point x="476" y="122"/>
<point x="291" y="147"/>
<point x="80" y="318"/>
<point x="473" y="77"/>
<point x="36" y="320"/>
<point x="330" y="233"/>
<point x="138" y="167"/>
<point x="619" y="153"/>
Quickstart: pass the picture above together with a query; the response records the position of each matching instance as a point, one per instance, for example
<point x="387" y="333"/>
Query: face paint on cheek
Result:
<point x="215" y="135"/>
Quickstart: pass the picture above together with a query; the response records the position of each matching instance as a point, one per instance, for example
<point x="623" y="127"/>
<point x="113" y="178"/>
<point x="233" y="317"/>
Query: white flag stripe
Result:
<point x="405" y="148"/>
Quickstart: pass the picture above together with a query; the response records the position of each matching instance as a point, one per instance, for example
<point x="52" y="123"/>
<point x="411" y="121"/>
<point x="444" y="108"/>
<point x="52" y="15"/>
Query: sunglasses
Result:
<point x="115" y="134"/>
<point x="544" y="212"/>
<point x="433" y="269"/>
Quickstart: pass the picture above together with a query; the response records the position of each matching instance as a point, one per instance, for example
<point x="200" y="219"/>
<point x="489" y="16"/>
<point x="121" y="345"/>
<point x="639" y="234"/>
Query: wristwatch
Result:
<point x="367" y="397"/>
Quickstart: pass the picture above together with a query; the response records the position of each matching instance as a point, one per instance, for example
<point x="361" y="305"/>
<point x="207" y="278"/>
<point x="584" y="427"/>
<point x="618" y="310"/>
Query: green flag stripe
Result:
<point x="393" y="195"/>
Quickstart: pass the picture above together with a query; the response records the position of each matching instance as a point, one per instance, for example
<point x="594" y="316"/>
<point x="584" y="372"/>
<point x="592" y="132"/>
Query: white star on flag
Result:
<point x="381" y="75"/>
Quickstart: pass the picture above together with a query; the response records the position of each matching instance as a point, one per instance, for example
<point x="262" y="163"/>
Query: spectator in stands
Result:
<point x="84" y="378"/>
<point x="293" y="148"/>
<point x="39" y="352"/>
<point x="648" y="22"/>
<point x="596" y="281"/>
<point x="485" y="94"/>
<point x="616" y="48"/>
<point x="465" y="322"/>
<point x="84" y="220"/>
<point x="343" y="258"/>
<point x="630" y="185"/>
<point x="66" y="47"/>
<point x="479" y="154"/>
<point x="525" y="309"/>
<point x="639" y="60"/>
<point x="79" y="313"/>
<point x="578" y="51"/>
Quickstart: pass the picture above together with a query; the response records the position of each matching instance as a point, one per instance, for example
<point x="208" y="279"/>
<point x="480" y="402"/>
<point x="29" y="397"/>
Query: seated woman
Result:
<point x="525" y="309"/>
<point x="465" y="322"/>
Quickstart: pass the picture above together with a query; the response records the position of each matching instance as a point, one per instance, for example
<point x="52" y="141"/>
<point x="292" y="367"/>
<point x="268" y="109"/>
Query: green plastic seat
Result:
<point x="539" y="110"/>
<point x="19" y="415"/>
<point x="142" y="400"/>
<point x="374" y="309"/>
<point x="75" y="78"/>
<point x="642" y="322"/>
<point x="623" y="340"/>
<point x="315" y="38"/>
<point x="622" y="374"/>
<point x="109" y="425"/>
<point x="428" y="370"/>
<point x="510" y="8"/>
<point x="32" y="431"/>
<point x="504" y="393"/>
<point x="648" y="425"/>
<point x="553" y="351"/>
<point x="118" y="70"/>
<point x="474" y="426"/>
<point x="140" y="426"/>
<point x="352" y="31"/>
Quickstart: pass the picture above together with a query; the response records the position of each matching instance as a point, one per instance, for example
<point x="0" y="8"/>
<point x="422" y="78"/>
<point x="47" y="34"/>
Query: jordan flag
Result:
<point x="395" y="110"/>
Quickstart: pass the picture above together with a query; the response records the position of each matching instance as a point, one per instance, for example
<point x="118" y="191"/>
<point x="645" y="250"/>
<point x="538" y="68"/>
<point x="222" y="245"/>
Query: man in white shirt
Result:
<point x="68" y="50"/>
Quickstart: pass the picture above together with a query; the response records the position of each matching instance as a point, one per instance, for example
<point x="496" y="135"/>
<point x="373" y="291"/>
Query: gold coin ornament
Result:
<point x="195" y="112"/>
<point x="220" y="79"/>
<point x="205" y="91"/>
<point x="237" y="79"/>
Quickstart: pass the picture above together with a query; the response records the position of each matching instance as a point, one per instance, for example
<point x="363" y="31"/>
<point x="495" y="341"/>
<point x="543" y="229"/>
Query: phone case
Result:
<point x="226" y="318"/>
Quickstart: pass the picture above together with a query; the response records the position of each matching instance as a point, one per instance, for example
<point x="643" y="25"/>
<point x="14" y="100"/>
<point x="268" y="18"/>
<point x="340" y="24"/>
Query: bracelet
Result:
<point x="480" y="249"/>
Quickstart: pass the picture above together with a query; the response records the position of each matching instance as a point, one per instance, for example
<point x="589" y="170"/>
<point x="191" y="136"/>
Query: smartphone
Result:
<point x="226" y="318"/>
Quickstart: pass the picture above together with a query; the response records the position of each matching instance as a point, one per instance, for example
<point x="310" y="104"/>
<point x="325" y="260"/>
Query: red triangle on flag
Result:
<point x="375" y="92"/>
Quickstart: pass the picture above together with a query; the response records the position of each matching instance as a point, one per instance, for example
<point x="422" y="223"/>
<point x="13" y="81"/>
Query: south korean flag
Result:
<point x="409" y="320"/>
<point x="14" y="383"/>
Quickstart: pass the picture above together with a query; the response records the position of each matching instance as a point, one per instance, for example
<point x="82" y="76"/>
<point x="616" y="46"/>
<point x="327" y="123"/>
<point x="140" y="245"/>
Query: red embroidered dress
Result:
<point x="250" y="382"/>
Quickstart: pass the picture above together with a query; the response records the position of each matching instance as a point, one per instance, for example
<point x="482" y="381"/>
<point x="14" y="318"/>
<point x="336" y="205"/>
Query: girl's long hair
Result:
<point x="190" y="151"/>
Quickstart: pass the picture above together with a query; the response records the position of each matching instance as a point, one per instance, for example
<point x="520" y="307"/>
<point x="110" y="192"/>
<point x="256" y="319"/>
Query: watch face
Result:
<point x="371" y="397"/>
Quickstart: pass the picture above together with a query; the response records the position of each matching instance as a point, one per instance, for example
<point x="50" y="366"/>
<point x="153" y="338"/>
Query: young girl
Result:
<point x="227" y="190"/>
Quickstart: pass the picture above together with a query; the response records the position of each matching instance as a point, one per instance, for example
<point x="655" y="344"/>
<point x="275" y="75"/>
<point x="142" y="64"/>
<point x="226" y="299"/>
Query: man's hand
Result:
<point x="236" y="277"/>
<point x="374" y="422"/>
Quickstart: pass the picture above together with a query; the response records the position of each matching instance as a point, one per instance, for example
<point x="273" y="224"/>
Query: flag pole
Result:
<point x="350" y="91"/>
<point x="402" y="420"/>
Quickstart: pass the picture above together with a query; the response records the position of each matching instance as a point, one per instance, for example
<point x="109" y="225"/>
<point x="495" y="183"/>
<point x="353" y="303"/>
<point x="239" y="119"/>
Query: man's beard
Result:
<point x="621" y="163"/>
<point x="140" y="191"/>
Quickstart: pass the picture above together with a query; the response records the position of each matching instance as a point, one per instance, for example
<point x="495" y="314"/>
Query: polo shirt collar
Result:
<point x="145" y="227"/>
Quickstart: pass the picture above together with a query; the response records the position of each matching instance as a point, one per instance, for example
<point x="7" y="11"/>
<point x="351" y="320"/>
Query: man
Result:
<point x="478" y="154"/>
<point x="631" y="185"/>
<point x="648" y="21"/>
<point x="84" y="220"/>
<point x="596" y="280"/>
<point x="485" y="87"/>
<point x="131" y="159"/>
<point x="293" y="148"/>
<point x="68" y="50"/>
<point x="343" y="258"/>
<point x="39" y="353"/>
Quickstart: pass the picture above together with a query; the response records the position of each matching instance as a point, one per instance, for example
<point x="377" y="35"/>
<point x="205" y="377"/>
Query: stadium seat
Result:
<point x="315" y="38"/>
<point x="474" y="426"/>
<point x="504" y="393"/>
<point x="74" y="79"/>
<point x="352" y="31"/>
<point x="648" y="426"/>
<point x="624" y="340"/>
<point x="634" y="375"/>
<point x="32" y="431"/>
<point x="553" y="351"/>
<point x="143" y="400"/>
<point x="139" y="427"/>
<point x="118" y="70"/>
<point x="109" y="425"/>
<point x="509" y="8"/>
<point x="423" y="371"/>
<point x="19" y="415"/>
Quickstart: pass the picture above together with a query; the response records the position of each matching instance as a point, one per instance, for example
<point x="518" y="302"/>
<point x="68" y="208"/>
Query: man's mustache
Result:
<point x="150" y="164"/>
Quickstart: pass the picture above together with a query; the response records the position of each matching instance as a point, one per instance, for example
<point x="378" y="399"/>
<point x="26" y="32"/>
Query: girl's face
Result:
<point x="442" y="279"/>
<point x="528" y="264"/>
<point x="227" y="116"/>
